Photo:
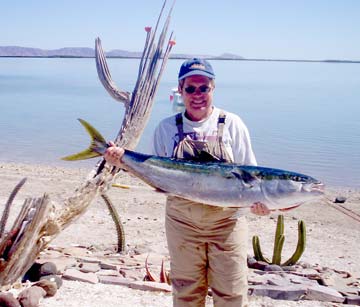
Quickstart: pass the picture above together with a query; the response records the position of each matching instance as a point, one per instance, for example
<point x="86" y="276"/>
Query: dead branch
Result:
<point x="30" y="234"/>
<point x="38" y="223"/>
<point x="8" y="204"/>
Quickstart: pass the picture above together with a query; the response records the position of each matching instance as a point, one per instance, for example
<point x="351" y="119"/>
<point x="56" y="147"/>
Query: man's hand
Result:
<point x="259" y="209"/>
<point x="114" y="154"/>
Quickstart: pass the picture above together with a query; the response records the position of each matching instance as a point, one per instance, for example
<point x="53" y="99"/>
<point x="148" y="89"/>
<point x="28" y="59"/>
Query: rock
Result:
<point x="310" y="273"/>
<point x="88" y="260"/>
<point x="344" y="285"/>
<point x="340" y="200"/>
<point x="251" y="261"/>
<point x="76" y="251"/>
<point x="133" y="274"/>
<point x="305" y="265"/>
<point x="323" y="294"/>
<point x="53" y="278"/>
<point x="301" y="280"/>
<point x="108" y="273"/>
<point x="288" y="268"/>
<point x="150" y="286"/>
<point x="73" y="274"/>
<point x="258" y="265"/>
<point x="39" y="269"/>
<point x="328" y="278"/>
<point x="108" y="266"/>
<point x="62" y="263"/>
<point x="50" y="287"/>
<point x="115" y="280"/>
<point x="89" y="267"/>
<point x="292" y="293"/>
<point x="8" y="300"/>
<point x="47" y="268"/>
<point x="272" y="268"/>
<point x="256" y="279"/>
<point x="31" y="297"/>
<point x="277" y="280"/>
<point x="353" y="300"/>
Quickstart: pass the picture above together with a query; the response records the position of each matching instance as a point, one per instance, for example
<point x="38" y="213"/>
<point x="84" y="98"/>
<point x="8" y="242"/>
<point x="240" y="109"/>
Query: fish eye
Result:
<point x="298" y="178"/>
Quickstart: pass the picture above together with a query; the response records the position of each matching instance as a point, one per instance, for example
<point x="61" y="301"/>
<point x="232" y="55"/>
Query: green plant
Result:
<point x="279" y="243"/>
<point x="117" y="221"/>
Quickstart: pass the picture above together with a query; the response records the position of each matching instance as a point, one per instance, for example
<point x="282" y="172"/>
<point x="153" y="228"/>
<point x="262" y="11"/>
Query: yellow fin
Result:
<point x="97" y="146"/>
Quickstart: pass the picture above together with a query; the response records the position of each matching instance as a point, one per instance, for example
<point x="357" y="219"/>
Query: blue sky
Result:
<point x="288" y="29"/>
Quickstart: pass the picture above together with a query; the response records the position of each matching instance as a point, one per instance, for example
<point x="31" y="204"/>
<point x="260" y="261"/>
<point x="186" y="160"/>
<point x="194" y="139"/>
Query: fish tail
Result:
<point x="97" y="146"/>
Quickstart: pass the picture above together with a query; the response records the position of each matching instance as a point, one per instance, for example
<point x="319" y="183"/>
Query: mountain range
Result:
<point x="81" y="52"/>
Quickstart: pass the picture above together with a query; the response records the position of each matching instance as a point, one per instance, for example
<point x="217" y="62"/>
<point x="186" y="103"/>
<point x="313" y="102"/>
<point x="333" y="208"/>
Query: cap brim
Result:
<point x="197" y="73"/>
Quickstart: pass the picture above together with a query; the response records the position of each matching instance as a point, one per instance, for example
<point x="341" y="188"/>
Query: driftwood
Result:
<point x="30" y="234"/>
<point x="38" y="222"/>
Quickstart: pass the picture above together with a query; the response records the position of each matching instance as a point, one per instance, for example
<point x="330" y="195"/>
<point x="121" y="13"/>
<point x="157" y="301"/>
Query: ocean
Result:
<point x="302" y="116"/>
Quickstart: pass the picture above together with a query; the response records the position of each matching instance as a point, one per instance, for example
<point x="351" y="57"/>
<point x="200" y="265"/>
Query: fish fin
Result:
<point x="85" y="154"/>
<point x="97" y="146"/>
<point x="244" y="176"/>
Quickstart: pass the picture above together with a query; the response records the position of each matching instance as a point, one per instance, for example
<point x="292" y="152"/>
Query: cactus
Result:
<point x="119" y="227"/>
<point x="300" y="246"/>
<point x="279" y="243"/>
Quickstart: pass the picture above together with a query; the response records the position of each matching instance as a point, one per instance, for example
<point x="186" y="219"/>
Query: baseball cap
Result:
<point x="196" y="66"/>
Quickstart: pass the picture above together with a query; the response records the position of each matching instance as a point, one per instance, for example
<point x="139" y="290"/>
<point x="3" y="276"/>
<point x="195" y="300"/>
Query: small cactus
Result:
<point x="117" y="221"/>
<point x="279" y="243"/>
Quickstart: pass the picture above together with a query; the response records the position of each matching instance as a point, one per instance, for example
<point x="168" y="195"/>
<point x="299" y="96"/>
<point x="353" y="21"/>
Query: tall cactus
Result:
<point x="279" y="243"/>
<point x="300" y="246"/>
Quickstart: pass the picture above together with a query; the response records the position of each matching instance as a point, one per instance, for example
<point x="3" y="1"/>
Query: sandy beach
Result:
<point x="332" y="237"/>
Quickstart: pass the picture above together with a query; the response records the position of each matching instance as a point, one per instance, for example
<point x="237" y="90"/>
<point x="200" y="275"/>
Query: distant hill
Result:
<point x="81" y="52"/>
<point x="17" y="51"/>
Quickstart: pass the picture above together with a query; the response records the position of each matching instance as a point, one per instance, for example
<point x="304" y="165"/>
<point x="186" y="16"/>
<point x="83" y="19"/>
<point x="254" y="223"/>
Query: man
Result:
<point x="207" y="245"/>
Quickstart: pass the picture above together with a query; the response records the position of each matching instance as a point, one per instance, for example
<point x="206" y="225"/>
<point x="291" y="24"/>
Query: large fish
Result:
<point x="213" y="183"/>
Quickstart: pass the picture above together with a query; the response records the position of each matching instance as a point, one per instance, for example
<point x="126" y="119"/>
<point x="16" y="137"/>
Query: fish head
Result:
<point x="285" y="189"/>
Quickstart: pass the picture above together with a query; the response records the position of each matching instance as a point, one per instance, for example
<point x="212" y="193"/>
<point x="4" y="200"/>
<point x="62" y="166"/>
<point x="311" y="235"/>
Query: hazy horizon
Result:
<point x="258" y="29"/>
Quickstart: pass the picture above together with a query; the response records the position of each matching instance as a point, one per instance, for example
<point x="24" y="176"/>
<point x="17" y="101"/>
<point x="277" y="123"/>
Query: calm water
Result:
<point x="301" y="116"/>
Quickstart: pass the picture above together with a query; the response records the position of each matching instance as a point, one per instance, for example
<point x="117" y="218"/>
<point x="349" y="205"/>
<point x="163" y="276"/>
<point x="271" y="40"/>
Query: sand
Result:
<point x="332" y="237"/>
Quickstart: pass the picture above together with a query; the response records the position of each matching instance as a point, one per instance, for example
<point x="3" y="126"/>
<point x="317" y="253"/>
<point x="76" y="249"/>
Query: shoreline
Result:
<point x="175" y="57"/>
<point x="331" y="236"/>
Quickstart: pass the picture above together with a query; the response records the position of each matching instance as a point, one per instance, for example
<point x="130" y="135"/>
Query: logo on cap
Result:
<point x="197" y="66"/>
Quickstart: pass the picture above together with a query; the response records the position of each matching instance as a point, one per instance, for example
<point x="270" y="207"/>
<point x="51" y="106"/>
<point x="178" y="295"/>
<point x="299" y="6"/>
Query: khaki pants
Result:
<point x="207" y="249"/>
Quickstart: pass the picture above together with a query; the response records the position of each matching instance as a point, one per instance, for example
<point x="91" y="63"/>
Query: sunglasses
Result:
<point x="192" y="89"/>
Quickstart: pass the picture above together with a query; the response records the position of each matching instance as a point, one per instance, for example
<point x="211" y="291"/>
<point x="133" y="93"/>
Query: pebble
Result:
<point x="8" y="300"/>
<point x="31" y="297"/>
<point x="50" y="287"/>
<point x="340" y="200"/>
<point x="53" y="278"/>
<point x="47" y="268"/>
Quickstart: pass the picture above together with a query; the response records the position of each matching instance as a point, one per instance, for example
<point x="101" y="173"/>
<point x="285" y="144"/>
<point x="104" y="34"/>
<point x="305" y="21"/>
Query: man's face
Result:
<point x="197" y="94"/>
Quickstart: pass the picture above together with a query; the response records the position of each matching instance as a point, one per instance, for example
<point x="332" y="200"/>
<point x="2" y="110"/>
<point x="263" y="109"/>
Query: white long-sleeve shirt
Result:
<point x="235" y="135"/>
